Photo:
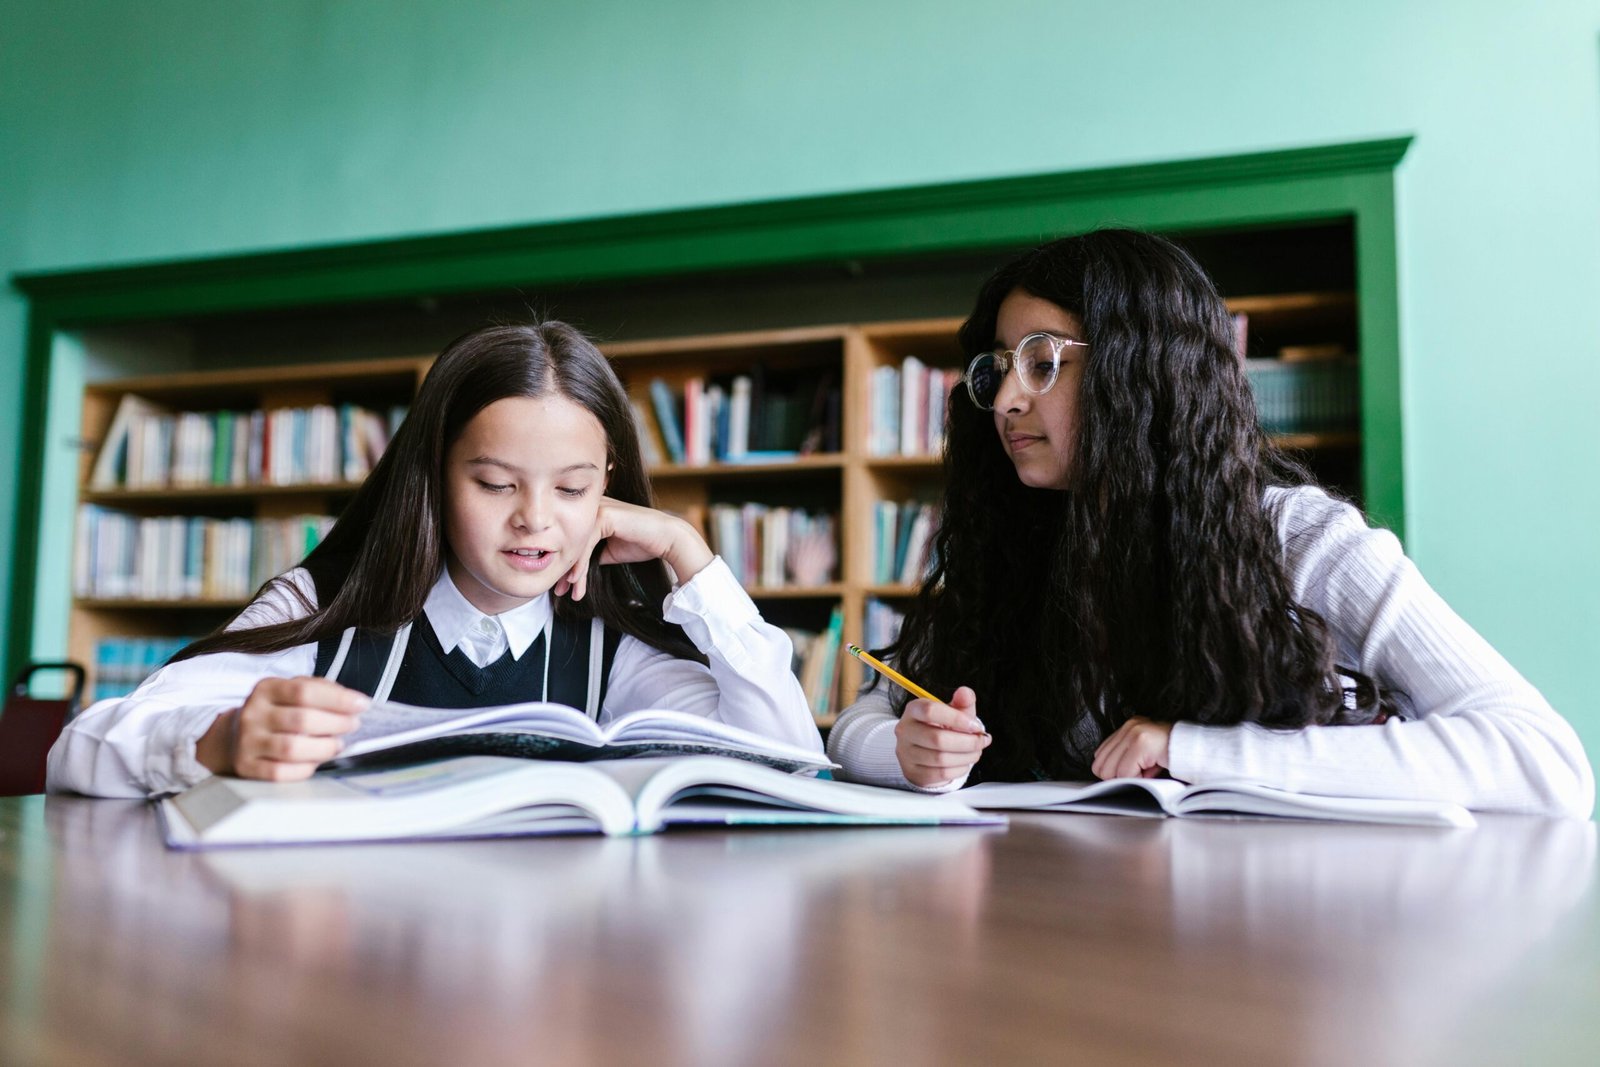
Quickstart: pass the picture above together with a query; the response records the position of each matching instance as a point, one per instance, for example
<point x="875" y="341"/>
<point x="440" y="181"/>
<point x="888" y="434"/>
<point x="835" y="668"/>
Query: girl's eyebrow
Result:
<point x="490" y="461"/>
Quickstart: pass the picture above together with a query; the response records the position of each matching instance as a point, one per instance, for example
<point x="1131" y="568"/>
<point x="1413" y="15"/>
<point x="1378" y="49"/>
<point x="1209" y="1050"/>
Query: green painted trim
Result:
<point x="1382" y="408"/>
<point x="1295" y="185"/>
<point x="30" y="491"/>
<point x="786" y="231"/>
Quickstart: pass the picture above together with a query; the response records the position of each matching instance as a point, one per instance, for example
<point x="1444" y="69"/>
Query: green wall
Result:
<point x="169" y="129"/>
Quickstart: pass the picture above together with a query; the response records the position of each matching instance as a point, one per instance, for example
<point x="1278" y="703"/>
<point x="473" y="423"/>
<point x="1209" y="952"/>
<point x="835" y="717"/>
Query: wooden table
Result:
<point x="1064" y="939"/>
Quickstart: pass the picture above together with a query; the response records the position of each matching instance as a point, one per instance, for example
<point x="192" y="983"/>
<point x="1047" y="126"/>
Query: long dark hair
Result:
<point x="375" y="567"/>
<point x="1155" y="585"/>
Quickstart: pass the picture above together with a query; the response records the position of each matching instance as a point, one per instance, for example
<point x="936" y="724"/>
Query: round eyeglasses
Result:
<point x="1037" y="358"/>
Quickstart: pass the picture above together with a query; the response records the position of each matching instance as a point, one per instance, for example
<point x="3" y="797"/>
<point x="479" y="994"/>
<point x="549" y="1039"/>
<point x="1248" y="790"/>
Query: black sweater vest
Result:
<point x="431" y="678"/>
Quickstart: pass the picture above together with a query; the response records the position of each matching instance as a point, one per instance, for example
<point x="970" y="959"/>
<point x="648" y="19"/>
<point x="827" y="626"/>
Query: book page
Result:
<point x="1250" y="798"/>
<point x="676" y="732"/>
<point x="394" y="732"/>
<point x="465" y="797"/>
<point x="728" y="792"/>
<point x="390" y="724"/>
<point x="1116" y="796"/>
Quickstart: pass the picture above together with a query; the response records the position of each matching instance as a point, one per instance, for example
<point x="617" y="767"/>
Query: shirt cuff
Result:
<point x="170" y="763"/>
<point x="712" y="607"/>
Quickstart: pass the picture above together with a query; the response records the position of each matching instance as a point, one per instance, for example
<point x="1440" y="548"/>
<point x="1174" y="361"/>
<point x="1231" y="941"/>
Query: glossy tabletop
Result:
<point x="1065" y="938"/>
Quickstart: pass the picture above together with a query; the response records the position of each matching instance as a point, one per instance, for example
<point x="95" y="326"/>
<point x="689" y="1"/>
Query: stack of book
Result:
<point x="1306" y="396"/>
<point x="186" y="557"/>
<point x="906" y="405"/>
<point x="760" y="543"/>
<point x="816" y="662"/>
<point x="149" y="447"/>
<point x="121" y="663"/>
<point x="882" y="624"/>
<point x="902" y="541"/>
<point x="742" y="419"/>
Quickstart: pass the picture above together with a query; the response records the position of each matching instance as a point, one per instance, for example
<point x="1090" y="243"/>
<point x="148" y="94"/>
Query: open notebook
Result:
<point x="494" y="796"/>
<point x="391" y="732"/>
<point x="1162" y="796"/>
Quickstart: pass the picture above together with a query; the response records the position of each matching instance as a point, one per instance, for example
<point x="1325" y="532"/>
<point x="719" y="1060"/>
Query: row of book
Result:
<point x="816" y="663"/>
<point x="121" y="663"/>
<point x="746" y="418"/>
<point x="1306" y="396"/>
<point x="774" y="547"/>
<point x="881" y="626"/>
<point x="186" y="557"/>
<point x="907" y="405"/>
<point x="902" y="541"/>
<point x="148" y="447"/>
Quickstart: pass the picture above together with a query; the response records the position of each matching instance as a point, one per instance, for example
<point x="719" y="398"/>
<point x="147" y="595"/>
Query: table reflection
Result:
<point x="1066" y="937"/>
<point x="713" y="930"/>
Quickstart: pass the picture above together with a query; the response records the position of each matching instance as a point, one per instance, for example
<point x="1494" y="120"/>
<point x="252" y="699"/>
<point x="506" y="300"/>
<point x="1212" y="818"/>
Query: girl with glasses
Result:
<point x="1131" y="580"/>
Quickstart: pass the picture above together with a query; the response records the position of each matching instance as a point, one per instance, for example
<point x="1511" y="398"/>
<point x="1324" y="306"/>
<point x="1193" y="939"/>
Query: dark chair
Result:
<point x="30" y="725"/>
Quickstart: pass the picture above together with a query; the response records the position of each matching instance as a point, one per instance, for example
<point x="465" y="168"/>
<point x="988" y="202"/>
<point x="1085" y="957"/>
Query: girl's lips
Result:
<point x="1019" y="441"/>
<point x="529" y="564"/>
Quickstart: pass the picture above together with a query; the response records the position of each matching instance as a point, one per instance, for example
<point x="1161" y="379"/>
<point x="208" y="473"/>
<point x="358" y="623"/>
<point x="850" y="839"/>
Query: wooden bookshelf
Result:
<point x="385" y="381"/>
<point x="849" y="482"/>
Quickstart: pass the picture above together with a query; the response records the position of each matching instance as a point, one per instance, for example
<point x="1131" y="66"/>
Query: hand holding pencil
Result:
<point x="936" y="742"/>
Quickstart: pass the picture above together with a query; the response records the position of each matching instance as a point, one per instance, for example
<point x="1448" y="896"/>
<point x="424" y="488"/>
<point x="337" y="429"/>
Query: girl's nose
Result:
<point x="533" y="512"/>
<point x="1012" y="397"/>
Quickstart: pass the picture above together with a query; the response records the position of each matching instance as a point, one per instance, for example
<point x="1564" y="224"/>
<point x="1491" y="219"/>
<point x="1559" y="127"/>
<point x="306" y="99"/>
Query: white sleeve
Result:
<point x="1476" y="733"/>
<point x="748" y="684"/>
<point x="861" y="742"/>
<point x="143" y="744"/>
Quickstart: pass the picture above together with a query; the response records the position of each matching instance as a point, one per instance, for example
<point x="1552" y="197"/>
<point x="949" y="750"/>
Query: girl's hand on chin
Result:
<point x="633" y="534"/>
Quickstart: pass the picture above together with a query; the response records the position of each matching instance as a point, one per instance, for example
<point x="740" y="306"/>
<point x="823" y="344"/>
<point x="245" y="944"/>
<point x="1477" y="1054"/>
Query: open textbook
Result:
<point x="500" y="796"/>
<point x="391" y="732"/>
<point x="1158" y="797"/>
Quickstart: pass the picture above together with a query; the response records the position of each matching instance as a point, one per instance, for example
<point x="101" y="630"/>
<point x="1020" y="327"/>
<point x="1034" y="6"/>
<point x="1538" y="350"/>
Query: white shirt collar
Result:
<point x="454" y="618"/>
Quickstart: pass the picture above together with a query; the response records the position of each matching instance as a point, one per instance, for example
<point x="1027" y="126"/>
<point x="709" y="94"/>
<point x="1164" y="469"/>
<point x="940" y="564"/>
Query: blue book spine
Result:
<point x="667" y="416"/>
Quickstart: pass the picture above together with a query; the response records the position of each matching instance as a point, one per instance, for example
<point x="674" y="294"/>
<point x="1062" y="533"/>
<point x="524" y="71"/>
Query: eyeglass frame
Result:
<point x="1006" y="359"/>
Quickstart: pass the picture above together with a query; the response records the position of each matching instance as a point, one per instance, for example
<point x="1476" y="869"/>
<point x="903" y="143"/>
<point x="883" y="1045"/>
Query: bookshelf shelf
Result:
<point x="798" y="465"/>
<point x="185" y="495"/>
<point x="1319" y="303"/>
<point x="891" y="590"/>
<point x="904" y="463"/>
<point x="140" y="604"/>
<point x="1309" y="441"/>
<point x="831" y="591"/>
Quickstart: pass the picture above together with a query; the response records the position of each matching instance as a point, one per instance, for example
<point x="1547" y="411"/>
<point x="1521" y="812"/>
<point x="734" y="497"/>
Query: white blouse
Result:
<point x="1475" y="732"/>
<point x="144" y="744"/>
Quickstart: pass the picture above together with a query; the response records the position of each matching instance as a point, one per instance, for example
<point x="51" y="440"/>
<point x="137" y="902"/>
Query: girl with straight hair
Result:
<point x="464" y="573"/>
<point x="1131" y="580"/>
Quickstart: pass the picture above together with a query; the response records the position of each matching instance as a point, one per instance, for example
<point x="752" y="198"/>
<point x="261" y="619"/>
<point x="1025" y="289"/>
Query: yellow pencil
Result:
<point x="893" y="675"/>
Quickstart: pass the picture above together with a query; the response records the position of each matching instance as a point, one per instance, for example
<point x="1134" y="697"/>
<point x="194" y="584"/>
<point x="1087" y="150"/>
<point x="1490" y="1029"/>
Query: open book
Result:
<point x="499" y="796"/>
<point x="1163" y="796"/>
<point x="391" y="732"/>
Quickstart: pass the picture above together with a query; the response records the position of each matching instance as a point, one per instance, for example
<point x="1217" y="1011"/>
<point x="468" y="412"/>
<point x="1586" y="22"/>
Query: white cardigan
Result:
<point x="1476" y="731"/>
